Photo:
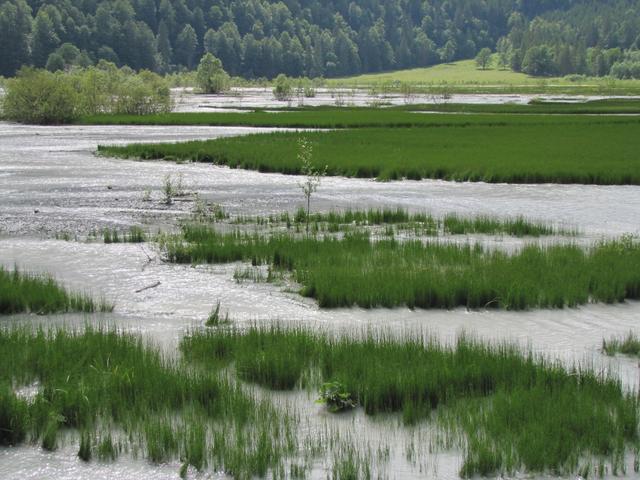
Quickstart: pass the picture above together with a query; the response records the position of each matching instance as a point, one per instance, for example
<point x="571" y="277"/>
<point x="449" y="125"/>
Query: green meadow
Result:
<point x="465" y="77"/>
<point x="352" y="270"/>
<point x="567" y="149"/>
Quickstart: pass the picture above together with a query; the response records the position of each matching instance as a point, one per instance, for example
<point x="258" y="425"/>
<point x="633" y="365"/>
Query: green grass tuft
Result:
<point x="629" y="345"/>
<point x="101" y="383"/>
<point x="21" y="292"/>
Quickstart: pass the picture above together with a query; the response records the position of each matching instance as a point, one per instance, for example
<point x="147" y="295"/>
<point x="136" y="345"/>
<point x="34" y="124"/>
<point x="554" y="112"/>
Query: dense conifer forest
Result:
<point x="262" y="38"/>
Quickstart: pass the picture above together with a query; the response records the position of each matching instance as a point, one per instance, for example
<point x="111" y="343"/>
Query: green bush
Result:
<point x="39" y="96"/>
<point x="283" y="89"/>
<point x="211" y="77"/>
<point x="42" y="97"/>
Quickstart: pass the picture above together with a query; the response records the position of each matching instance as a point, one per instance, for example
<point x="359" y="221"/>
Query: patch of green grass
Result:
<point x="134" y="235"/>
<point x="398" y="116"/>
<point x="512" y="410"/>
<point x="424" y="223"/>
<point x="582" y="150"/>
<point x="465" y="77"/>
<point x="518" y="227"/>
<point x="628" y="345"/>
<point x="166" y="409"/>
<point x="22" y="292"/>
<point x="537" y="107"/>
<point x="353" y="270"/>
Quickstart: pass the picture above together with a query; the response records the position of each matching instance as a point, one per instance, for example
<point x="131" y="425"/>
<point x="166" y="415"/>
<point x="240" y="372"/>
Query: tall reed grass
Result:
<point x="166" y="409"/>
<point x="354" y="271"/>
<point x="513" y="411"/>
<point x="581" y="150"/>
<point x="23" y="292"/>
<point x="424" y="223"/>
<point x="627" y="345"/>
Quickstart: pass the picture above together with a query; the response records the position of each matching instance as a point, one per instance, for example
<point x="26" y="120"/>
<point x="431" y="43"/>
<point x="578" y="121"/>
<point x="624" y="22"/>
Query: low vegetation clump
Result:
<point x="583" y="150"/>
<point x="628" y="345"/>
<point x="353" y="270"/>
<point x="402" y="220"/>
<point x="510" y="410"/>
<point x="134" y="235"/>
<point x="98" y="383"/>
<point x="23" y="292"/>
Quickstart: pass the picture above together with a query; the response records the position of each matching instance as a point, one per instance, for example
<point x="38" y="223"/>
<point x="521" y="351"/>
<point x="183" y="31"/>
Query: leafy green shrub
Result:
<point x="211" y="77"/>
<point x="42" y="97"/>
<point x="39" y="96"/>
<point x="335" y="396"/>
<point x="283" y="89"/>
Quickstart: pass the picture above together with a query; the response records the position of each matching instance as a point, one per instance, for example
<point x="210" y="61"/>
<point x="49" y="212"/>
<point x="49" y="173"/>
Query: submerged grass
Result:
<point x="353" y="270"/>
<point x="22" y="292"/>
<point x="628" y="345"/>
<point x="512" y="410"/>
<point x="165" y="409"/>
<point x="423" y="223"/>
<point x="566" y="149"/>
<point x="134" y="235"/>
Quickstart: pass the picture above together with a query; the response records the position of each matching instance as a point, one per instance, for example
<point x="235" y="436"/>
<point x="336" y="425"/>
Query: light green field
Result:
<point x="465" y="74"/>
<point x="464" y="71"/>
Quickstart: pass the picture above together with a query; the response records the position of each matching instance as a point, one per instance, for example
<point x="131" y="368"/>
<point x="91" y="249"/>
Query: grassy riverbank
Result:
<point x="567" y="149"/>
<point x="510" y="411"/>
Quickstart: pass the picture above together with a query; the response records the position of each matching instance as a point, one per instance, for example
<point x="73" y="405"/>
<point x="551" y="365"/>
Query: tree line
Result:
<point x="314" y="38"/>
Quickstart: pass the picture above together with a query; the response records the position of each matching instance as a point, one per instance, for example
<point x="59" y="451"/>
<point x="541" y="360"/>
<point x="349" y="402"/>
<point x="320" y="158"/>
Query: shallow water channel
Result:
<point x="52" y="184"/>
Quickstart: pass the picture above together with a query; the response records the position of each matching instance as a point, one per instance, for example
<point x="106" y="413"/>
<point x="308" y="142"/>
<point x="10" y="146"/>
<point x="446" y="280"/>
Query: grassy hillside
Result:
<point x="465" y="75"/>
<point x="464" y="71"/>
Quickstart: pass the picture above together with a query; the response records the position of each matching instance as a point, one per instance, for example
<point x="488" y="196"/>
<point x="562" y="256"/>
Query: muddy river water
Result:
<point x="52" y="183"/>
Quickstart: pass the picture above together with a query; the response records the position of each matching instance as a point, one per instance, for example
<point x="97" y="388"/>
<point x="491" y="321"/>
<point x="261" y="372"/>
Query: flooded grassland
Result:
<point x="57" y="197"/>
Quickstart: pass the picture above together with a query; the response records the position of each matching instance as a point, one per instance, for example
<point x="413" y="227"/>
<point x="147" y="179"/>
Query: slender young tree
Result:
<point x="483" y="59"/>
<point x="312" y="174"/>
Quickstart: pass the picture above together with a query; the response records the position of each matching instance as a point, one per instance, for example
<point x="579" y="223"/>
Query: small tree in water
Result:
<point x="313" y="175"/>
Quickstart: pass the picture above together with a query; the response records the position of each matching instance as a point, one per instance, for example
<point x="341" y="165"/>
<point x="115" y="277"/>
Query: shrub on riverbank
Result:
<point x="42" y="97"/>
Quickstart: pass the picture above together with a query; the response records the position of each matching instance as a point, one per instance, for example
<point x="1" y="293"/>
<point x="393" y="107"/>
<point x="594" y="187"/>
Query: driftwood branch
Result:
<point x="153" y="285"/>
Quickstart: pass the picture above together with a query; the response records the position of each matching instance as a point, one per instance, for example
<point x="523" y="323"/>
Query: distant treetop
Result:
<point x="313" y="38"/>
